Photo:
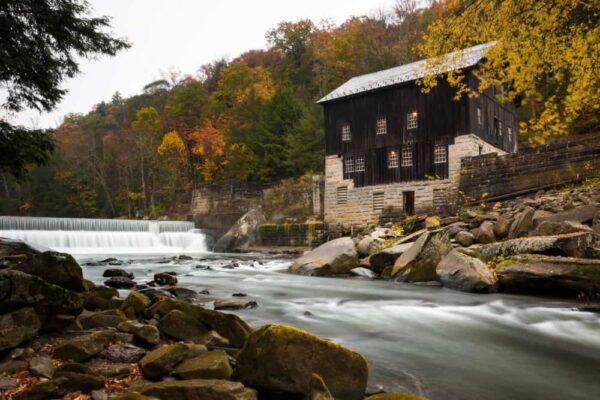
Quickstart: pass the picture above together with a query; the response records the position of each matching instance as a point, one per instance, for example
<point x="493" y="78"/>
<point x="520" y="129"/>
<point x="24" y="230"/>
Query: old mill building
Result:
<point x="392" y="149"/>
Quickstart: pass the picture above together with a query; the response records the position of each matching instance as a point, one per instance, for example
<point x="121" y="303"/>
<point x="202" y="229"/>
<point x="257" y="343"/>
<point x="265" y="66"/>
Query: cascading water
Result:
<point x="86" y="236"/>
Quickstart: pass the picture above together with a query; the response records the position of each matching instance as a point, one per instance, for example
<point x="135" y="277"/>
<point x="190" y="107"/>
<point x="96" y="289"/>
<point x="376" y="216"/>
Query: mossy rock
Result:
<point x="165" y="279"/>
<point x="99" y="298"/>
<point x="162" y="361"/>
<point x="395" y="396"/>
<point x="131" y="396"/>
<point x="318" y="389"/>
<point x="282" y="358"/>
<point x="79" y="377"/>
<point x="83" y="347"/>
<point x="419" y="262"/>
<point x="89" y="285"/>
<point x="52" y="389"/>
<point x="179" y="325"/>
<point x="210" y="365"/>
<point x="230" y="326"/>
<point x="17" y="327"/>
<point x="205" y="389"/>
<point x="135" y="304"/>
<point x="101" y="319"/>
<point x="147" y="333"/>
<point x="59" y="269"/>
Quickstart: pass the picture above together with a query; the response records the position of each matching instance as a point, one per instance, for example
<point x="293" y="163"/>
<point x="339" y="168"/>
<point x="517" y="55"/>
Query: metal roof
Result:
<point x="409" y="72"/>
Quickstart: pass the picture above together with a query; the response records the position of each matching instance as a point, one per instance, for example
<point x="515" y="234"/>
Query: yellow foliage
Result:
<point x="172" y="144"/>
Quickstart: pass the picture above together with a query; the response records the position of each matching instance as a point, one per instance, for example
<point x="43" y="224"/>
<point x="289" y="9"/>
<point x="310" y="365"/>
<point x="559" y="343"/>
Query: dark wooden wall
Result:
<point x="440" y="120"/>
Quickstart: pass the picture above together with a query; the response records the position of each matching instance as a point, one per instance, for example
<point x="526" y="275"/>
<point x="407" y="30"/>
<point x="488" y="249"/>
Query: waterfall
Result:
<point x="98" y="236"/>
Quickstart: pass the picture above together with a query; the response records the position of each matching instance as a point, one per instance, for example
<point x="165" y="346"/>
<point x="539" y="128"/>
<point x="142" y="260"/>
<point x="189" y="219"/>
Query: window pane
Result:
<point x="440" y="155"/>
<point x="346" y="135"/>
<point x="411" y="120"/>
<point x="381" y="125"/>
<point x="359" y="165"/>
<point x="349" y="164"/>
<point x="407" y="157"/>
<point x="392" y="159"/>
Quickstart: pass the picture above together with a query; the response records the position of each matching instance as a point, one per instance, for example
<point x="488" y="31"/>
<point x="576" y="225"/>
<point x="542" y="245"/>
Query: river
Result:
<point x="427" y="340"/>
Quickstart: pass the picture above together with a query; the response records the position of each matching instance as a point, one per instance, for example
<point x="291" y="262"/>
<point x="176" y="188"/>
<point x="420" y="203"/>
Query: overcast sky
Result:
<point x="182" y="35"/>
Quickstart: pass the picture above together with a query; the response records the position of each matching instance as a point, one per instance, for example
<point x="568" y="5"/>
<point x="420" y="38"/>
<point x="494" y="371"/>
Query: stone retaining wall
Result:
<point x="307" y="234"/>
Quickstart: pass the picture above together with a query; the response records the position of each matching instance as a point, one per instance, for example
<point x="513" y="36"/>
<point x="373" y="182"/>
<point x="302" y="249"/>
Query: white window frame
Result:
<point x="440" y="154"/>
<point x="349" y="165"/>
<point x="479" y="116"/>
<point x="407" y="156"/>
<point x="346" y="133"/>
<point x="393" y="160"/>
<point x="359" y="164"/>
<point x="412" y="120"/>
<point x="381" y="126"/>
<point x="499" y="126"/>
<point x="509" y="134"/>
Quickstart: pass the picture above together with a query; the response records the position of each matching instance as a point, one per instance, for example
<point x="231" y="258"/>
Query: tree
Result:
<point x="40" y="41"/>
<point x="545" y="54"/>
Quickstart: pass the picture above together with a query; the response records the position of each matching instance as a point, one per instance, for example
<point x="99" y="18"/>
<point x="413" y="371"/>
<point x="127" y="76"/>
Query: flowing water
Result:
<point x="427" y="340"/>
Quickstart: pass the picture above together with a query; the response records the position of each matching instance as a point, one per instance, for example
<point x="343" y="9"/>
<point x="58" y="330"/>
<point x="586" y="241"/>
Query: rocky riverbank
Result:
<point x="546" y="244"/>
<point x="64" y="337"/>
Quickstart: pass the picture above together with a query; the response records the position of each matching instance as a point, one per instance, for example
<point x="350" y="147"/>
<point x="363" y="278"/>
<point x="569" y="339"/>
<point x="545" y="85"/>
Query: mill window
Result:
<point x="407" y="156"/>
<point x="509" y="134"/>
<point x="349" y="164"/>
<point x="346" y="134"/>
<point x="381" y="125"/>
<point x="411" y="120"/>
<point x="392" y="159"/>
<point x="479" y="116"/>
<point x="359" y="165"/>
<point x="440" y="155"/>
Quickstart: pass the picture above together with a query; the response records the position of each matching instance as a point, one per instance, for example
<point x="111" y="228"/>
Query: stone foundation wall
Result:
<point x="307" y="234"/>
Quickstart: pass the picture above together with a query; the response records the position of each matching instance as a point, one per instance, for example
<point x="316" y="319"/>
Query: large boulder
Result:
<point x="461" y="271"/>
<point x="419" y="262"/>
<point x="582" y="214"/>
<point x="145" y="332"/>
<point x="163" y="360"/>
<point x="548" y="275"/>
<point x="52" y="389"/>
<point x="179" y="325"/>
<point x="17" y="327"/>
<point x="230" y="326"/>
<point x="100" y="319"/>
<point x="387" y="257"/>
<point x="55" y="305"/>
<point x="548" y="227"/>
<point x="135" y="304"/>
<point x="580" y="244"/>
<point x="522" y="223"/>
<point x="464" y="238"/>
<point x="335" y="257"/>
<point x="165" y="279"/>
<point x="501" y="227"/>
<point x="369" y="245"/>
<point x="84" y="347"/>
<point x="210" y="365"/>
<point x="79" y="377"/>
<point x="243" y="234"/>
<point x="485" y="233"/>
<point x="99" y="298"/>
<point x="205" y="389"/>
<point x="60" y="269"/>
<point x="283" y="358"/>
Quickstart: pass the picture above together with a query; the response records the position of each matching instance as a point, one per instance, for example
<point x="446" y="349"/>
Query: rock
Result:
<point x="213" y="340"/>
<point x="101" y="319"/>
<point x="369" y="245"/>
<point x="386" y="257"/>
<point x="318" y="389"/>
<point x="363" y="272"/>
<point x="89" y="285"/>
<point x="41" y="366"/>
<point x="7" y="383"/>
<point x="581" y="214"/>
<point x="123" y="353"/>
<point x="278" y="357"/>
<point x="456" y="227"/>
<point x="235" y="304"/>
<point x="135" y="304"/>
<point x="119" y="282"/>
<point x="147" y="333"/>
<point x="501" y="227"/>
<point x="108" y="273"/>
<point x="549" y="275"/>
<point x="243" y="234"/>
<point x="522" y="224"/>
<point x="131" y="396"/>
<point x="485" y="233"/>
<point x="433" y="222"/>
<point x="17" y="327"/>
<point x="541" y="215"/>
<point x="464" y="238"/>
<point x="395" y="396"/>
<point x="210" y="365"/>
<point x="418" y="263"/>
<point x="205" y="389"/>
<point x="229" y="326"/>
<point x="112" y="370"/>
<point x="461" y="271"/>
<point x="335" y="257"/>
<point x="573" y="245"/>
<point x="51" y="302"/>
<point x="11" y="367"/>
<point x="182" y="326"/>
<point x="186" y="294"/>
<point x="161" y="362"/>
<point x="99" y="298"/>
<point x="79" y="377"/>
<point x="165" y="279"/>
<point x="99" y="395"/>
<point x="59" y="269"/>
<point x="52" y="389"/>
<point x="83" y="347"/>
<point x="548" y="227"/>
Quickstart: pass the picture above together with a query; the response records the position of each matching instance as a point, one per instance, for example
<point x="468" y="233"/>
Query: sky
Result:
<point x="181" y="35"/>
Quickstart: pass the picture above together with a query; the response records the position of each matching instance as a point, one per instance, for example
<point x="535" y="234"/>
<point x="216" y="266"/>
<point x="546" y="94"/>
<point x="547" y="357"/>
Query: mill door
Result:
<point x="409" y="202"/>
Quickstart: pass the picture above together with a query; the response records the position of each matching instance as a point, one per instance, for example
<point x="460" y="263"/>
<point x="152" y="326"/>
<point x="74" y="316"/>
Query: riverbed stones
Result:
<point x="485" y="233"/>
<point x="147" y="333"/>
<point x="161" y="362"/>
<point x="549" y="227"/>
<point x="235" y="304"/>
<point x="17" y="327"/>
<point x="99" y="298"/>
<point x="210" y="365"/>
<point x="464" y="238"/>
<point x="59" y="269"/>
<point x="522" y="223"/>
<point x="117" y="272"/>
<point x="52" y="389"/>
<point x="119" y="282"/>
<point x="123" y="353"/>
<point x="41" y="366"/>
<point x="101" y="319"/>
<point x="182" y="326"/>
<point x="387" y="257"/>
<point x="278" y="357"/>
<point x="79" y="377"/>
<point x="135" y="304"/>
<point x="84" y="347"/>
<point x="335" y="257"/>
<point x="165" y="279"/>
<point x="501" y="227"/>
<point x="462" y="271"/>
<point x="205" y="389"/>
<point x="419" y="262"/>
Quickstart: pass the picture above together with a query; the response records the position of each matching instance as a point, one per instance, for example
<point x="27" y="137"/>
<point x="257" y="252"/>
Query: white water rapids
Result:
<point x="440" y="343"/>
